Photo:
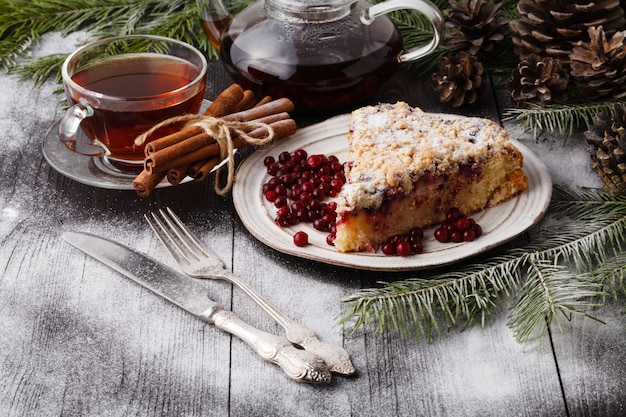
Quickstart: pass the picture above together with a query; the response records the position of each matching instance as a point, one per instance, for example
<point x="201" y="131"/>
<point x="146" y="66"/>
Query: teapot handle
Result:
<point x="426" y="8"/>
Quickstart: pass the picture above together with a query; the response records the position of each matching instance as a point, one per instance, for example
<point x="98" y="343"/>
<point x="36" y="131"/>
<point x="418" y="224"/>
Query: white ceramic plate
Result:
<point x="500" y="224"/>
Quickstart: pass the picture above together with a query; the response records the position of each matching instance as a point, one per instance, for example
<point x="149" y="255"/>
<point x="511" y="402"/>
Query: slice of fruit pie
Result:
<point x="407" y="168"/>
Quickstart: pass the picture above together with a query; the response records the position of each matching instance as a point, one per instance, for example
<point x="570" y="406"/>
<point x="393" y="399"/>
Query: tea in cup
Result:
<point x="120" y="87"/>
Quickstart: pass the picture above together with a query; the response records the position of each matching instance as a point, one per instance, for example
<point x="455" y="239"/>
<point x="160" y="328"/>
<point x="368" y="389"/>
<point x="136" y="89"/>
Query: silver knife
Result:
<point x="190" y="295"/>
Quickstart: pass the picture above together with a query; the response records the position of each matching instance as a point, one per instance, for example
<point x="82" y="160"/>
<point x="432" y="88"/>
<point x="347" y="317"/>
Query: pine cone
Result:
<point x="607" y="145"/>
<point x="553" y="27"/>
<point x="599" y="66"/>
<point x="476" y="26"/>
<point x="538" y="81"/>
<point x="459" y="79"/>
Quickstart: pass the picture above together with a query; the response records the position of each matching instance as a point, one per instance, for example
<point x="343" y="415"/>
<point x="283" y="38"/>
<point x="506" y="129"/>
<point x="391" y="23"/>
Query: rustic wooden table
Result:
<point x="78" y="339"/>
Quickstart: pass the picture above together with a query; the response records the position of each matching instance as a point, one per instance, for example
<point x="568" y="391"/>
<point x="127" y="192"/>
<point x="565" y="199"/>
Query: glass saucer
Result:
<point x="93" y="171"/>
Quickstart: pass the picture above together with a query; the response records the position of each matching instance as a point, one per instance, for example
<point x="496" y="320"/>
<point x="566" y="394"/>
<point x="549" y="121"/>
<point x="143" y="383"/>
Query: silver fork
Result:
<point x="199" y="262"/>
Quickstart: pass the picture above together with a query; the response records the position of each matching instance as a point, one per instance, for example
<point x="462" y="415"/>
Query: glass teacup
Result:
<point x="120" y="87"/>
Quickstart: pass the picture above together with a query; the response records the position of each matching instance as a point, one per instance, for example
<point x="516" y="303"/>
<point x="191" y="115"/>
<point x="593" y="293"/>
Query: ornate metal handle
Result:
<point x="336" y="357"/>
<point x="299" y="365"/>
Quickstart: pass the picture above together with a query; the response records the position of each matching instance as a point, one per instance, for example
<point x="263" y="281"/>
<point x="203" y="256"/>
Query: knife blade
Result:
<point x="189" y="294"/>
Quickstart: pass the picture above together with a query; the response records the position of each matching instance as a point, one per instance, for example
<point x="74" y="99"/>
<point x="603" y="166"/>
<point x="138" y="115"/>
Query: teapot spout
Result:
<point x="214" y="17"/>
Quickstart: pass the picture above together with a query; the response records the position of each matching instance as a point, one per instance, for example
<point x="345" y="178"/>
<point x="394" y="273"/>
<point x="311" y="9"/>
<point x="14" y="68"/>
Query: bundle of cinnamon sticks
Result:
<point x="194" y="151"/>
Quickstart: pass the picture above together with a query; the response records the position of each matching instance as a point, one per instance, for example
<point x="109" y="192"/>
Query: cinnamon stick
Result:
<point x="247" y="101"/>
<point x="226" y="102"/>
<point x="201" y="169"/>
<point x="258" y="112"/>
<point x="191" y="144"/>
<point x="146" y="181"/>
<point x="191" y="151"/>
<point x="275" y="106"/>
<point x="281" y="129"/>
<point x="263" y="101"/>
<point x="180" y="149"/>
<point x="177" y="174"/>
<point x="172" y="139"/>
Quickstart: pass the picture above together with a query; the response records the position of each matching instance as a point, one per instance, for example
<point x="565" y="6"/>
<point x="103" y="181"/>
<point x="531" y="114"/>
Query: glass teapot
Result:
<point x="324" y="55"/>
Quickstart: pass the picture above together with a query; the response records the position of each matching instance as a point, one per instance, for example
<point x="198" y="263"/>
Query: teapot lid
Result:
<point x="312" y="9"/>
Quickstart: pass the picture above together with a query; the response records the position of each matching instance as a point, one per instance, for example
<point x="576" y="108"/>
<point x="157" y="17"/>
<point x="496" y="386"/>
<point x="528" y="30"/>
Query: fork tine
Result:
<point x="175" y="230"/>
<point x="185" y="230"/>
<point x="166" y="238"/>
<point x="192" y="239"/>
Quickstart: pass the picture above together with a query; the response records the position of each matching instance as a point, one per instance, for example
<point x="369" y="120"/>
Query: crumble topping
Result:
<point x="392" y="145"/>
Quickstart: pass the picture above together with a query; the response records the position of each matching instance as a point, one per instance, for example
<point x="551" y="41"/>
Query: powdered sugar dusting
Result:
<point x="392" y="144"/>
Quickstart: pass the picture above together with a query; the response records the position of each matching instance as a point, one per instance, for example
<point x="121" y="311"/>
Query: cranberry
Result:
<point x="469" y="235"/>
<point x="300" y="154"/>
<point x="268" y="160"/>
<point x="303" y="216"/>
<point x="442" y="235"/>
<point x="292" y="219"/>
<point x="281" y="221"/>
<point x="325" y="170"/>
<point x="280" y="201"/>
<point x="271" y="196"/>
<point x="336" y="166"/>
<point x="389" y="249"/>
<point x="416" y="233"/>
<point x="320" y="224"/>
<point x="283" y="157"/>
<point x="282" y="211"/>
<point x="301" y="239"/>
<point x="315" y="161"/>
<point x="280" y="190"/>
<point x="417" y="247"/>
<point x="336" y="184"/>
<point x="298" y="186"/>
<point x="456" y="236"/>
<point x="272" y="169"/>
<point x="287" y="179"/>
<point x="463" y="223"/>
<point x="403" y="248"/>
<point x="308" y="187"/>
<point x="453" y="214"/>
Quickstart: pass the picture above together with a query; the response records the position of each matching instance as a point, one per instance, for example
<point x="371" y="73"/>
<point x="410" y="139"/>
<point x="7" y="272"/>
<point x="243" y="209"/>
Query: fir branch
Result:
<point x="22" y="24"/>
<point x="549" y="288"/>
<point x="550" y="292"/>
<point x="612" y="275"/>
<point x="432" y="303"/>
<point x="588" y="203"/>
<point x="560" y="118"/>
<point x="40" y="70"/>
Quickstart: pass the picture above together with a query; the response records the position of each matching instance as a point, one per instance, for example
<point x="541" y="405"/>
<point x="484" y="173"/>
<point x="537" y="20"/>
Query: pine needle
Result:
<point x="560" y="118"/>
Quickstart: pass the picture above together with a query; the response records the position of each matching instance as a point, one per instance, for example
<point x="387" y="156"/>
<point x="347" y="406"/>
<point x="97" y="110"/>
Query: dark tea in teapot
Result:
<point x="340" y="72"/>
<point x="324" y="55"/>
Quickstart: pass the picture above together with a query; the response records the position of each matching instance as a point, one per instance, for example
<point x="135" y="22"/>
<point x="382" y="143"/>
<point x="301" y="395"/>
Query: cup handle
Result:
<point x="69" y="127"/>
<point x="423" y="6"/>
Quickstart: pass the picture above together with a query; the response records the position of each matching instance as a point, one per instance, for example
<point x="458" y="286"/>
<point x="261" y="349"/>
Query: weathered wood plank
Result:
<point x="77" y="338"/>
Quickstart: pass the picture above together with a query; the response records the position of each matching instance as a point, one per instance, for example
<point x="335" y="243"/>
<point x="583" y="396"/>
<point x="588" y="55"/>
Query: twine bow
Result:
<point x="222" y="131"/>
